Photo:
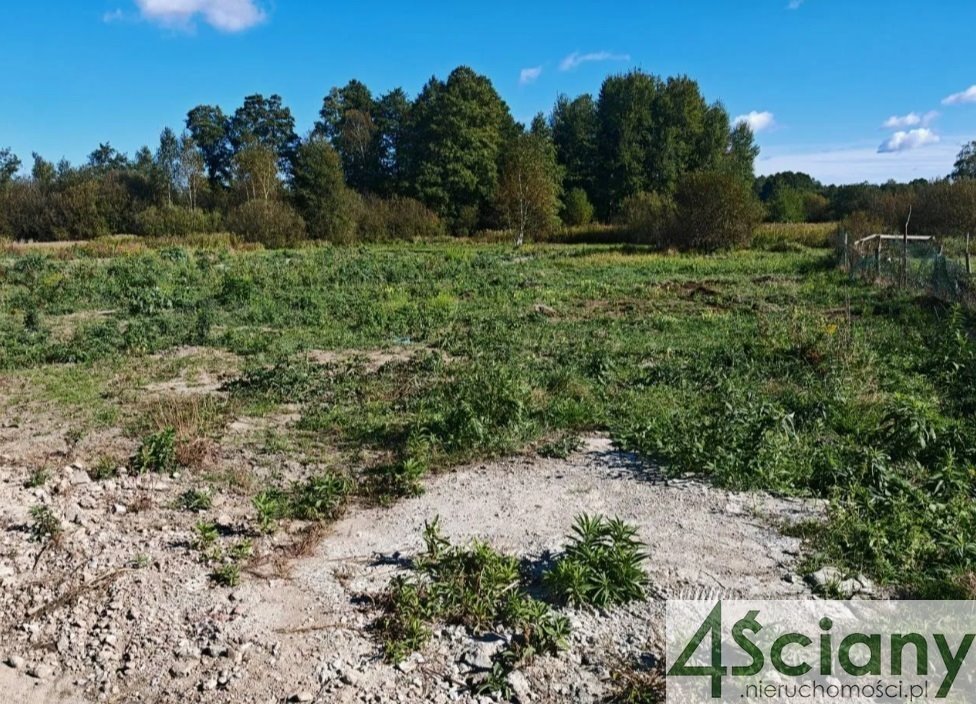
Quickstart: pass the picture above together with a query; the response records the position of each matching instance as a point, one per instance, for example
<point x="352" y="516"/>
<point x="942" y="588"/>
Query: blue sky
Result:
<point x="820" y="78"/>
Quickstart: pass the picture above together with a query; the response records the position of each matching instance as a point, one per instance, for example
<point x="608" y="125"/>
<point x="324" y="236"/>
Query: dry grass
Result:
<point x="277" y="564"/>
<point x="777" y="236"/>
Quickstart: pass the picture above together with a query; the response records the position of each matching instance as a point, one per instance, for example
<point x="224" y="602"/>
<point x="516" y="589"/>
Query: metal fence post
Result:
<point x="877" y="257"/>
<point x="969" y="266"/>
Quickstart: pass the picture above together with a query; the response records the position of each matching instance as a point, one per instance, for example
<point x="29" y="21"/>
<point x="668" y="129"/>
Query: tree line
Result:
<point x="939" y="207"/>
<point x="647" y="152"/>
<point x="450" y="160"/>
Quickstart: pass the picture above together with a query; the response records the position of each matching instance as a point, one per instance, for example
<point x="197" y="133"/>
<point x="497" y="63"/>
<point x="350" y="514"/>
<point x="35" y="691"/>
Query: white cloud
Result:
<point x="912" y="119"/>
<point x="757" y="121"/>
<point x="114" y="16"/>
<point x="576" y="59"/>
<point x="795" y="4"/>
<point x="906" y="141"/>
<point x="529" y="75"/>
<point x="857" y="163"/>
<point x="967" y="96"/>
<point x="224" y="15"/>
<point x="895" y="122"/>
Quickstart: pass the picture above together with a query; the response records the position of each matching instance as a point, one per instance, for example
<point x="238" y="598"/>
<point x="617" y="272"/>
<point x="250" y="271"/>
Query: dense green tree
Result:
<point x="625" y="132"/>
<point x="267" y="122"/>
<point x="392" y="122"/>
<point x="209" y="129"/>
<point x="320" y="193"/>
<point x="965" y="166"/>
<point x="651" y="132"/>
<point x="458" y="128"/>
<point x="714" y="210"/>
<point x="574" y="132"/>
<point x="690" y="135"/>
<point x="766" y="186"/>
<point x="786" y="205"/>
<point x="349" y="119"/>
<point x="9" y="166"/>
<point x="107" y="158"/>
<point x="43" y="172"/>
<point x="741" y="154"/>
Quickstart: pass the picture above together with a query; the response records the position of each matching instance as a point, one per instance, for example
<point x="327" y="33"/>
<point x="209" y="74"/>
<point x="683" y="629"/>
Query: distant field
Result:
<point x="759" y="369"/>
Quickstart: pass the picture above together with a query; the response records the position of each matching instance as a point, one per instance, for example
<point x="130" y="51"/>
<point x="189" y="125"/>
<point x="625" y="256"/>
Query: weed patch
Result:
<point x="156" y="454"/>
<point x="601" y="565"/>
<point x="320" y="498"/>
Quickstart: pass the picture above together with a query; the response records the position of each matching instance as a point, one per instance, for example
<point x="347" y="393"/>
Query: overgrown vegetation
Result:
<point x="601" y="565"/>
<point x="483" y="590"/>
<point x="475" y="587"/>
<point x="319" y="498"/>
<point x="157" y="453"/>
<point x="759" y="369"/>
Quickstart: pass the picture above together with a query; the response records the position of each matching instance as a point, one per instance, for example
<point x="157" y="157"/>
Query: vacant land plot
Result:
<point x="182" y="425"/>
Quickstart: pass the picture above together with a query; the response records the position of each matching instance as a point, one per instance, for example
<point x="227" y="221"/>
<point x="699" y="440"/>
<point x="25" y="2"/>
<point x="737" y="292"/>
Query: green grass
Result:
<point x="758" y="369"/>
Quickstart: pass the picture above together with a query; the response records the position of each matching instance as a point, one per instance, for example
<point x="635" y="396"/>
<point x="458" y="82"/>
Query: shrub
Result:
<point x="45" y="526"/>
<point x="270" y="222"/>
<point x="195" y="500"/>
<point x="175" y="221"/>
<point x="320" y="194"/>
<point x="227" y="575"/>
<point x="714" y="211"/>
<point x="861" y="224"/>
<point x="577" y="208"/>
<point x="319" y="498"/>
<point x="945" y="208"/>
<point x="601" y="565"/>
<point x="561" y="447"/>
<point x="786" y="205"/>
<point x="157" y="453"/>
<point x="38" y="477"/>
<point x="397" y="218"/>
<point x="649" y="217"/>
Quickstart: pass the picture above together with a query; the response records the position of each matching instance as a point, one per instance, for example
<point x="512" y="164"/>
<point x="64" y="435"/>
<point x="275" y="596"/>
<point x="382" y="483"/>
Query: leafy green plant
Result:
<point x="476" y="587"/>
<point x="38" y="477"/>
<point x="227" y="575"/>
<point x="241" y="550"/>
<point x="45" y="526"/>
<point x="270" y="505"/>
<point x="105" y="468"/>
<point x="205" y="535"/>
<point x="600" y="566"/>
<point x="319" y="498"/>
<point x="157" y="453"/>
<point x="195" y="500"/>
<point x="561" y="447"/>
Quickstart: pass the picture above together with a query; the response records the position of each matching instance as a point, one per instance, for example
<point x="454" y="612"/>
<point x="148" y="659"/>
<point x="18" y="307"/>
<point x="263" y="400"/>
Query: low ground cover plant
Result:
<point x="483" y="590"/>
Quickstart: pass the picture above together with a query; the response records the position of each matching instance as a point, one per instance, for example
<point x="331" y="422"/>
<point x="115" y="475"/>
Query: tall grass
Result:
<point x="780" y="236"/>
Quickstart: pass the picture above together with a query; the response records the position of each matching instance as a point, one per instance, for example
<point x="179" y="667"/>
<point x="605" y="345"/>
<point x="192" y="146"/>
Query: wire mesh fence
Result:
<point x="941" y="267"/>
